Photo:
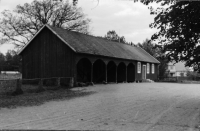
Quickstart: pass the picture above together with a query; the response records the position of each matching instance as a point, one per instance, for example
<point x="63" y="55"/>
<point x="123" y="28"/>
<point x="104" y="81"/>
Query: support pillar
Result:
<point x="106" y="73"/>
<point x="58" y="82"/>
<point x="126" y="74"/>
<point x="116" y="74"/>
<point x="71" y="82"/>
<point x="40" y="86"/>
<point x="92" y="73"/>
<point x="18" y="89"/>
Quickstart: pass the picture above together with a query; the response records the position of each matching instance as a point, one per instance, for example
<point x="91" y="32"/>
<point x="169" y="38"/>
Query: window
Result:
<point x="153" y="68"/>
<point x="139" y="67"/>
<point x="147" y="68"/>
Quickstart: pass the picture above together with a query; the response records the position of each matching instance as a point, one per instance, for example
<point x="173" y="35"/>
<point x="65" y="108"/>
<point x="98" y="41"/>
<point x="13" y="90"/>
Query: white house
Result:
<point x="178" y="69"/>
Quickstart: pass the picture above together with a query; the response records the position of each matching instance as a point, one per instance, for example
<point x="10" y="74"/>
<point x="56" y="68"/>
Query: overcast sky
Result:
<point x="127" y="18"/>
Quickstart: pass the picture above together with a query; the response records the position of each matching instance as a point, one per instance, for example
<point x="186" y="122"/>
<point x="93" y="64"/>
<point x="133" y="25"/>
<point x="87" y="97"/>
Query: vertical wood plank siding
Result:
<point x="47" y="56"/>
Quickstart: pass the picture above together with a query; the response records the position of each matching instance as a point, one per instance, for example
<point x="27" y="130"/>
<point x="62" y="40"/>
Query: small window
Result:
<point x="147" y="68"/>
<point x="153" y="68"/>
<point x="139" y="67"/>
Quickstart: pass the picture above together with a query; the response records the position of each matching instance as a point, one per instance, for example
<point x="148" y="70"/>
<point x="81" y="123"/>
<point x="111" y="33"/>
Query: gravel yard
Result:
<point x="127" y="106"/>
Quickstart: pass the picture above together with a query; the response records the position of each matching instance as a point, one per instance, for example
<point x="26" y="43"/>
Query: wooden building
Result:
<point x="56" y="52"/>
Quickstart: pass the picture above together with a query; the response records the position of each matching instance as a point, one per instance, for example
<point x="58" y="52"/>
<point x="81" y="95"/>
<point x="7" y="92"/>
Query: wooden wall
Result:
<point x="47" y="56"/>
<point x="151" y="76"/>
<point x="138" y="76"/>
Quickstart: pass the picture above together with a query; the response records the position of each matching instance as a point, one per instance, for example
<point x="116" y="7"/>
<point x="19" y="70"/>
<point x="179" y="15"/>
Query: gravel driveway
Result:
<point x="128" y="106"/>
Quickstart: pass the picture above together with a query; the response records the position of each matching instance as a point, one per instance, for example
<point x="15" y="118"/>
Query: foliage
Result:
<point x="146" y="2"/>
<point x="113" y="36"/>
<point x="193" y="75"/>
<point x="2" y="61"/>
<point x="158" y="52"/>
<point x="179" y="31"/>
<point x="148" y="47"/>
<point x="20" y="25"/>
<point x="31" y="98"/>
<point x="10" y="61"/>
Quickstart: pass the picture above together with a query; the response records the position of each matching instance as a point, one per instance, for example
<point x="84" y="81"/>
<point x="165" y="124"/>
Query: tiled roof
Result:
<point x="82" y="43"/>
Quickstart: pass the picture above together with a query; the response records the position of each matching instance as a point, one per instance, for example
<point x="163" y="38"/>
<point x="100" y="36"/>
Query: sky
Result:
<point x="127" y="18"/>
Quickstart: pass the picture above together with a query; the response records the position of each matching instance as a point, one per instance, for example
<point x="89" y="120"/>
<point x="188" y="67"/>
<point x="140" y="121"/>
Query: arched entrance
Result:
<point x="84" y="70"/>
<point x="99" y="71"/>
<point x="130" y="72"/>
<point x="121" y="72"/>
<point x="111" y="72"/>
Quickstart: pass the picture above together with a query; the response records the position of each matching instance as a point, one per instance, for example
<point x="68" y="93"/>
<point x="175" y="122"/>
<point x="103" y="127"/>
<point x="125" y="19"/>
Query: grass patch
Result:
<point x="189" y="82"/>
<point x="35" y="99"/>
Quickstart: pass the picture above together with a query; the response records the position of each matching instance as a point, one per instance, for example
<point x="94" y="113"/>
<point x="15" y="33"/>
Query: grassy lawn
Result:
<point x="30" y="97"/>
<point x="34" y="99"/>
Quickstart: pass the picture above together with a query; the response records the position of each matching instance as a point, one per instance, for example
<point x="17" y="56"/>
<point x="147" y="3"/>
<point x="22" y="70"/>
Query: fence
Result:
<point x="18" y="86"/>
<point x="168" y="79"/>
<point x="178" y="79"/>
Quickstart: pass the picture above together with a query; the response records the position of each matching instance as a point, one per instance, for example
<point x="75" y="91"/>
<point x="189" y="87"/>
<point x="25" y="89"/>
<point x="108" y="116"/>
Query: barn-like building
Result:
<point x="56" y="52"/>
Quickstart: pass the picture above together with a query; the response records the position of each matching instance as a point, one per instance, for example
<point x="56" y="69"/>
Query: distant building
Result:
<point x="178" y="69"/>
<point x="10" y="72"/>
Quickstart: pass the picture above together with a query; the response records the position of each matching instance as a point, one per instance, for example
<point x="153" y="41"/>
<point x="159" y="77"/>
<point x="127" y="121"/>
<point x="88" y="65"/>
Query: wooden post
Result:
<point x="126" y="74"/>
<point x="18" y="90"/>
<point x="58" y="82"/>
<point x="116" y="74"/>
<point x="106" y="73"/>
<point x="71" y="84"/>
<point x="92" y="73"/>
<point x="40" y="86"/>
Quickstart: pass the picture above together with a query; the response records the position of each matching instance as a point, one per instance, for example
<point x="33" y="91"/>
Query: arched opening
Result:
<point x="111" y="72"/>
<point x="99" y="71"/>
<point x="84" y="70"/>
<point x="121" y="72"/>
<point x="131" y="72"/>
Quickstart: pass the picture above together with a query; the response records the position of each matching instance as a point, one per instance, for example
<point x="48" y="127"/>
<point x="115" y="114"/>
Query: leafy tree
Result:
<point x="179" y="31"/>
<point x="113" y="36"/>
<point x="2" y="61"/>
<point x="146" y="2"/>
<point x="10" y="61"/>
<point x="193" y="75"/>
<point x="148" y="47"/>
<point x="20" y="25"/>
<point x="131" y="43"/>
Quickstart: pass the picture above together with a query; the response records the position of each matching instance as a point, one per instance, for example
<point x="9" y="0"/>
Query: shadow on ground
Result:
<point x="31" y="98"/>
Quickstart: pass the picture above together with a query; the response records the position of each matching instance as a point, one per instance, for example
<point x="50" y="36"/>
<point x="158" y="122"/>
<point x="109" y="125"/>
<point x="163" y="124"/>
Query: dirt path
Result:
<point x="136" y="106"/>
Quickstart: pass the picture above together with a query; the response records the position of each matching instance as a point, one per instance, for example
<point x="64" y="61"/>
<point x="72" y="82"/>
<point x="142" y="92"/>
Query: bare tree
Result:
<point x="20" y="25"/>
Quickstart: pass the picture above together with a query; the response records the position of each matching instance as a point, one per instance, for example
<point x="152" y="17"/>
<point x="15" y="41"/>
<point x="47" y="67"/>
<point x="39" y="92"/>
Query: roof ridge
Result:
<point x="90" y="35"/>
<point x="148" y="53"/>
<point x="87" y="43"/>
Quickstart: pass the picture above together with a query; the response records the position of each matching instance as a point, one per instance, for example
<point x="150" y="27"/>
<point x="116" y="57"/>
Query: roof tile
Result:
<point x="83" y="43"/>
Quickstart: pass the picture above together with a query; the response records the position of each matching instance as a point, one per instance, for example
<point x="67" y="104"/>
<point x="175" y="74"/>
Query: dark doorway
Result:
<point x="121" y="72"/>
<point x="131" y="72"/>
<point x="99" y="71"/>
<point x="84" y="70"/>
<point x="111" y="72"/>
